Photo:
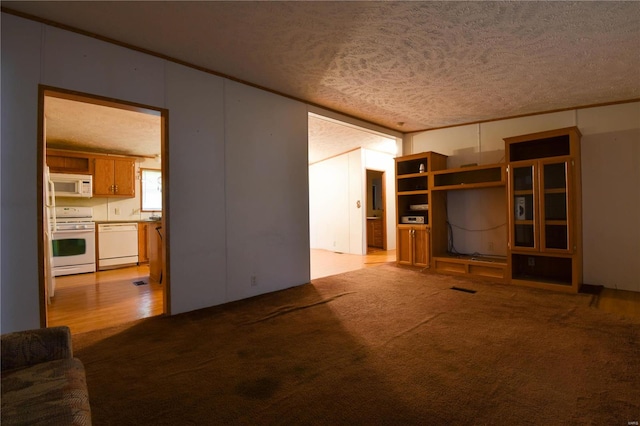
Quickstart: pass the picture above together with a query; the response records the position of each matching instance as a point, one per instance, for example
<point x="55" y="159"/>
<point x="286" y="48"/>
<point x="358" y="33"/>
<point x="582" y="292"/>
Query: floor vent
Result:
<point x="138" y="283"/>
<point x="465" y="290"/>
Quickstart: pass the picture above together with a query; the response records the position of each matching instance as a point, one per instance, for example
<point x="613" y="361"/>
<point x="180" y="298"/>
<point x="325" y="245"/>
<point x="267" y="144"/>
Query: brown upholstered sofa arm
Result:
<point x="25" y="348"/>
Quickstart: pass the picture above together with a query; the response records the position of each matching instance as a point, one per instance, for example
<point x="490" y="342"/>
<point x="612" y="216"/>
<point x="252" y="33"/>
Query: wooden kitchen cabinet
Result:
<point x="143" y="235"/>
<point x="114" y="177"/>
<point x="60" y="161"/>
<point x="154" y="251"/>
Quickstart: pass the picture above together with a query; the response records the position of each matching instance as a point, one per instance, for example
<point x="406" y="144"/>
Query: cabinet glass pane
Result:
<point x="523" y="205"/>
<point x="523" y="236"/>
<point x="555" y="176"/>
<point x="556" y="237"/>
<point x="523" y="178"/>
<point x="555" y="206"/>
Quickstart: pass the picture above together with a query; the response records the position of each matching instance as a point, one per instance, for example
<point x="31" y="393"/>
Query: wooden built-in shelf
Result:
<point x="477" y="267"/>
<point x="469" y="177"/>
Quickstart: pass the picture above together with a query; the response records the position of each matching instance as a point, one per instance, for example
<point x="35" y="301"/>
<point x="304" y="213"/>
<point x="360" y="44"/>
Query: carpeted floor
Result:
<point x="382" y="345"/>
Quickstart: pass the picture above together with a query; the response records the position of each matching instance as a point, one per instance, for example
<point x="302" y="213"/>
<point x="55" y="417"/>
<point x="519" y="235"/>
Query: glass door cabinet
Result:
<point x="544" y="209"/>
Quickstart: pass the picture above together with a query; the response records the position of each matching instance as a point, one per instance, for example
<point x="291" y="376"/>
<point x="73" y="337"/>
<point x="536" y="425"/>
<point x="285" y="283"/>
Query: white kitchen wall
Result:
<point x="226" y="158"/>
<point x="610" y="185"/>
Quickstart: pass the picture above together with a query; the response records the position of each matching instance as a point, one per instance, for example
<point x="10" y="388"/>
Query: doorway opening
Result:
<point x="107" y="146"/>
<point x="351" y="189"/>
<point x="376" y="211"/>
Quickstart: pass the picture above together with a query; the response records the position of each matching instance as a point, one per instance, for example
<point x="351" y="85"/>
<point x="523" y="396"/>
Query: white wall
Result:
<point x="610" y="184"/>
<point x="336" y="185"/>
<point x="611" y="195"/>
<point x="237" y="164"/>
<point x="197" y="221"/>
<point x="20" y="75"/>
<point x="329" y="204"/>
<point x="267" y="191"/>
<point x="356" y="206"/>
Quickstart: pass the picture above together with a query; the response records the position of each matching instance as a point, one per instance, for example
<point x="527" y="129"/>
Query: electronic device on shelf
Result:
<point x="412" y="219"/>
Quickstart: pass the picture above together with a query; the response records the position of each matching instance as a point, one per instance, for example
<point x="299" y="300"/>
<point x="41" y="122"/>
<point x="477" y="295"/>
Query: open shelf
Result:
<point x="545" y="147"/>
<point x="411" y="166"/>
<point x="552" y="272"/>
<point x="413" y="182"/>
<point x="469" y="177"/>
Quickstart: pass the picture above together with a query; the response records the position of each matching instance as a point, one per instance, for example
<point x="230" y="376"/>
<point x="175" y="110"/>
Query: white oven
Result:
<point x="74" y="241"/>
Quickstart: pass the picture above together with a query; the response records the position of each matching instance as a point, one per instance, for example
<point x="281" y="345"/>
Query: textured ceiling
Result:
<point x="81" y="126"/>
<point x="423" y="64"/>
<point x="328" y="138"/>
<point x="88" y="127"/>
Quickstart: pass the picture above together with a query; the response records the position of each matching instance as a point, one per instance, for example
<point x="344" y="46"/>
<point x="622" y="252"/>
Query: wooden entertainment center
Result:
<point x="541" y="180"/>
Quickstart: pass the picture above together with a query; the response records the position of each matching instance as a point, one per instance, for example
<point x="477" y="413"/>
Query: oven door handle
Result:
<point x="74" y="231"/>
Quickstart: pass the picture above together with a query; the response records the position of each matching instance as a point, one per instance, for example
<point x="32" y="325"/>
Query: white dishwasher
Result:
<point x="117" y="245"/>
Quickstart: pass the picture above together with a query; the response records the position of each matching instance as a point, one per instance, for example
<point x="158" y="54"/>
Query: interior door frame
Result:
<point x="44" y="91"/>
<point x="383" y="190"/>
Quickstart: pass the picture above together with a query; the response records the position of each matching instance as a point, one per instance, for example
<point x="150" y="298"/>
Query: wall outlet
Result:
<point x="490" y="246"/>
<point x="117" y="211"/>
<point x="254" y="281"/>
<point x="531" y="261"/>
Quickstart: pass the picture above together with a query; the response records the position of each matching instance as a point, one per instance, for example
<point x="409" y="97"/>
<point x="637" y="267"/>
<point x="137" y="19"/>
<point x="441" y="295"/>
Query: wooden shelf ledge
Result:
<point x="477" y="267"/>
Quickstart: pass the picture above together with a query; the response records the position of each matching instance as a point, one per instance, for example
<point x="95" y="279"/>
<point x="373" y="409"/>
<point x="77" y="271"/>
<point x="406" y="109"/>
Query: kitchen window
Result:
<point x="151" y="188"/>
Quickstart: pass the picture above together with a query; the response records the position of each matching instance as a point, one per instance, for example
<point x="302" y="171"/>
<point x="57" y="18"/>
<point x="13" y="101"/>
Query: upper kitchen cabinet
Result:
<point x="114" y="177"/>
<point x="69" y="162"/>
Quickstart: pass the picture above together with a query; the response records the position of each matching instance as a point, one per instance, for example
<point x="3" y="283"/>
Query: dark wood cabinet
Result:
<point x="69" y="162"/>
<point x="375" y="233"/>
<point x="154" y="251"/>
<point x="143" y="235"/>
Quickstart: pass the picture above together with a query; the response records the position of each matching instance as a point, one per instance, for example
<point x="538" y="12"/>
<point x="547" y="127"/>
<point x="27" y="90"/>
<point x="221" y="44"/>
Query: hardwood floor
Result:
<point x="620" y="302"/>
<point x="325" y="263"/>
<point x="88" y="302"/>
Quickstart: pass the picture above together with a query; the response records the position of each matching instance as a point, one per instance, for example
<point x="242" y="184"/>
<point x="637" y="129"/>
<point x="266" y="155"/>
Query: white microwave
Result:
<point x="68" y="185"/>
